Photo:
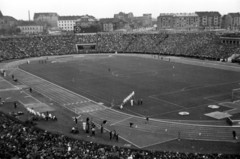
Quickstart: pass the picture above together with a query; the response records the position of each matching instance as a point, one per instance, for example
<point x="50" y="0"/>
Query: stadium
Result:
<point x="164" y="95"/>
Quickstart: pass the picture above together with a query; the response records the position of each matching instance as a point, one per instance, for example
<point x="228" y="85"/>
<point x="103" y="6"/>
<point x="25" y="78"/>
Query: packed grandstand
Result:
<point x="196" y="45"/>
<point x="23" y="141"/>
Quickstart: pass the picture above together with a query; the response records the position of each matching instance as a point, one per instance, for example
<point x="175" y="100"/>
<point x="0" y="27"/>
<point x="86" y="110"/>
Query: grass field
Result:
<point x="166" y="87"/>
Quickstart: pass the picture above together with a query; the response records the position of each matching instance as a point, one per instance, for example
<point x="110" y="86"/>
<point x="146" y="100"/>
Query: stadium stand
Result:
<point x="19" y="140"/>
<point x="195" y="45"/>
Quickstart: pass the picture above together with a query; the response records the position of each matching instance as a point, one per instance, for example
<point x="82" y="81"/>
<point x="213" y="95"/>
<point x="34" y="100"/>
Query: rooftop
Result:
<point x="9" y="18"/>
<point x="186" y="15"/>
<point x="28" y="23"/>
<point x="69" y="17"/>
<point x="211" y="14"/>
<point x="88" y="17"/>
<point x="178" y="14"/>
<point x="111" y="20"/>
<point x="36" y="15"/>
<point x="1" y="15"/>
<point x="234" y="14"/>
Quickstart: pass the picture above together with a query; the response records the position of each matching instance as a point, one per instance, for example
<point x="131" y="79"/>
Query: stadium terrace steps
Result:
<point x="79" y="104"/>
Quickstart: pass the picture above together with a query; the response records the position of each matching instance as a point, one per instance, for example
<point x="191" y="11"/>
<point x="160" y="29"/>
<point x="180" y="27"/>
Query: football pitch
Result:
<point x="165" y="86"/>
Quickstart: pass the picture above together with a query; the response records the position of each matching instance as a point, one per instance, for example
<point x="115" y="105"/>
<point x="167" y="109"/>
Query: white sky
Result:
<point x="107" y="8"/>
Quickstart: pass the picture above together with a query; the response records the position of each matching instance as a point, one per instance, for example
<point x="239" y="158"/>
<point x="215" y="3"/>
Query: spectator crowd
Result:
<point x="19" y="140"/>
<point x="196" y="45"/>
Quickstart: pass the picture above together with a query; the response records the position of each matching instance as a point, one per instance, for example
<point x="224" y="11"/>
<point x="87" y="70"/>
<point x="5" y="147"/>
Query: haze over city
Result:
<point x="107" y="8"/>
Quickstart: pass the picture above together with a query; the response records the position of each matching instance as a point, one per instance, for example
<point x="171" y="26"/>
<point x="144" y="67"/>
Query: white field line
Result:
<point x="65" y="103"/>
<point x="8" y="89"/>
<point x="174" y="138"/>
<point x="69" y="102"/>
<point x="194" y="88"/>
<point x="11" y="71"/>
<point x="28" y="95"/>
<point x="216" y="95"/>
<point x="168" y="102"/>
<point x="203" y="63"/>
<point x="11" y="84"/>
<point x="135" y="72"/>
<point x="120" y="121"/>
<point x="54" y="94"/>
<point x="175" y="120"/>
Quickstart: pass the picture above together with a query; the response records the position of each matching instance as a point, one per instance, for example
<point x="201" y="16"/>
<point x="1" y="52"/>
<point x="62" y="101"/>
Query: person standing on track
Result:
<point x="147" y="120"/>
<point x="15" y="105"/>
<point x="234" y="135"/>
<point x="110" y="135"/>
<point x="76" y="120"/>
<point x="101" y="128"/>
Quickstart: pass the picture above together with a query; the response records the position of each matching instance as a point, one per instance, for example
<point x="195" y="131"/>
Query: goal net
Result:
<point x="236" y="94"/>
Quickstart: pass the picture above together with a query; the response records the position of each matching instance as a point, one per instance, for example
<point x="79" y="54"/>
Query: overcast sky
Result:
<point x="107" y="8"/>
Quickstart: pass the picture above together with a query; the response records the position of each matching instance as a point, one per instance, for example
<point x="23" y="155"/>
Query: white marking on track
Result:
<point x="120" y="121"/>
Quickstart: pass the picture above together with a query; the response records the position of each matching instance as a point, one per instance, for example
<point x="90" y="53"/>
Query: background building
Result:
<point x="31" y="27"/>
<point x="209" y="20"/>
<point x="165" y="21"/>
<point x="7" y="22"/>
<point x="67" y="23"/>
<point x="111" y="24"/>
<point x="124" y="16"/>
<point x="143" y="21"/>
<point x="107" y="24"/>
<point x="232" y="21"/>
<point x="50" y="18"/>
<point x="223" y="23"/>
<point x="186" y="21"/>
<point x="178" y="21"/>
<point x="86" y="20"/>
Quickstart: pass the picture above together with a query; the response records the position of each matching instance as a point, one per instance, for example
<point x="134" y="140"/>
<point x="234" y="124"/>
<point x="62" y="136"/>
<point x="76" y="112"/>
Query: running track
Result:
<point x="156" y="131"/>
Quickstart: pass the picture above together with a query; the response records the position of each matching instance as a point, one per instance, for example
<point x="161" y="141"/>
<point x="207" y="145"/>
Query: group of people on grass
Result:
<point x="197" y="45"/>
<point x="24" y="141"/>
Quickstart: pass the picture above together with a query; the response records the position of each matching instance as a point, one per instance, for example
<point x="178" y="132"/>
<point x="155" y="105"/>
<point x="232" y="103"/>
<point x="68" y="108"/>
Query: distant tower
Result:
<point x="29" y="15"/>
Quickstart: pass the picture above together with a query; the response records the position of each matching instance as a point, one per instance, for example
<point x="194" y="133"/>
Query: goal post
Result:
<point x="236" y="94"/>
<point x="86" y="48"/>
